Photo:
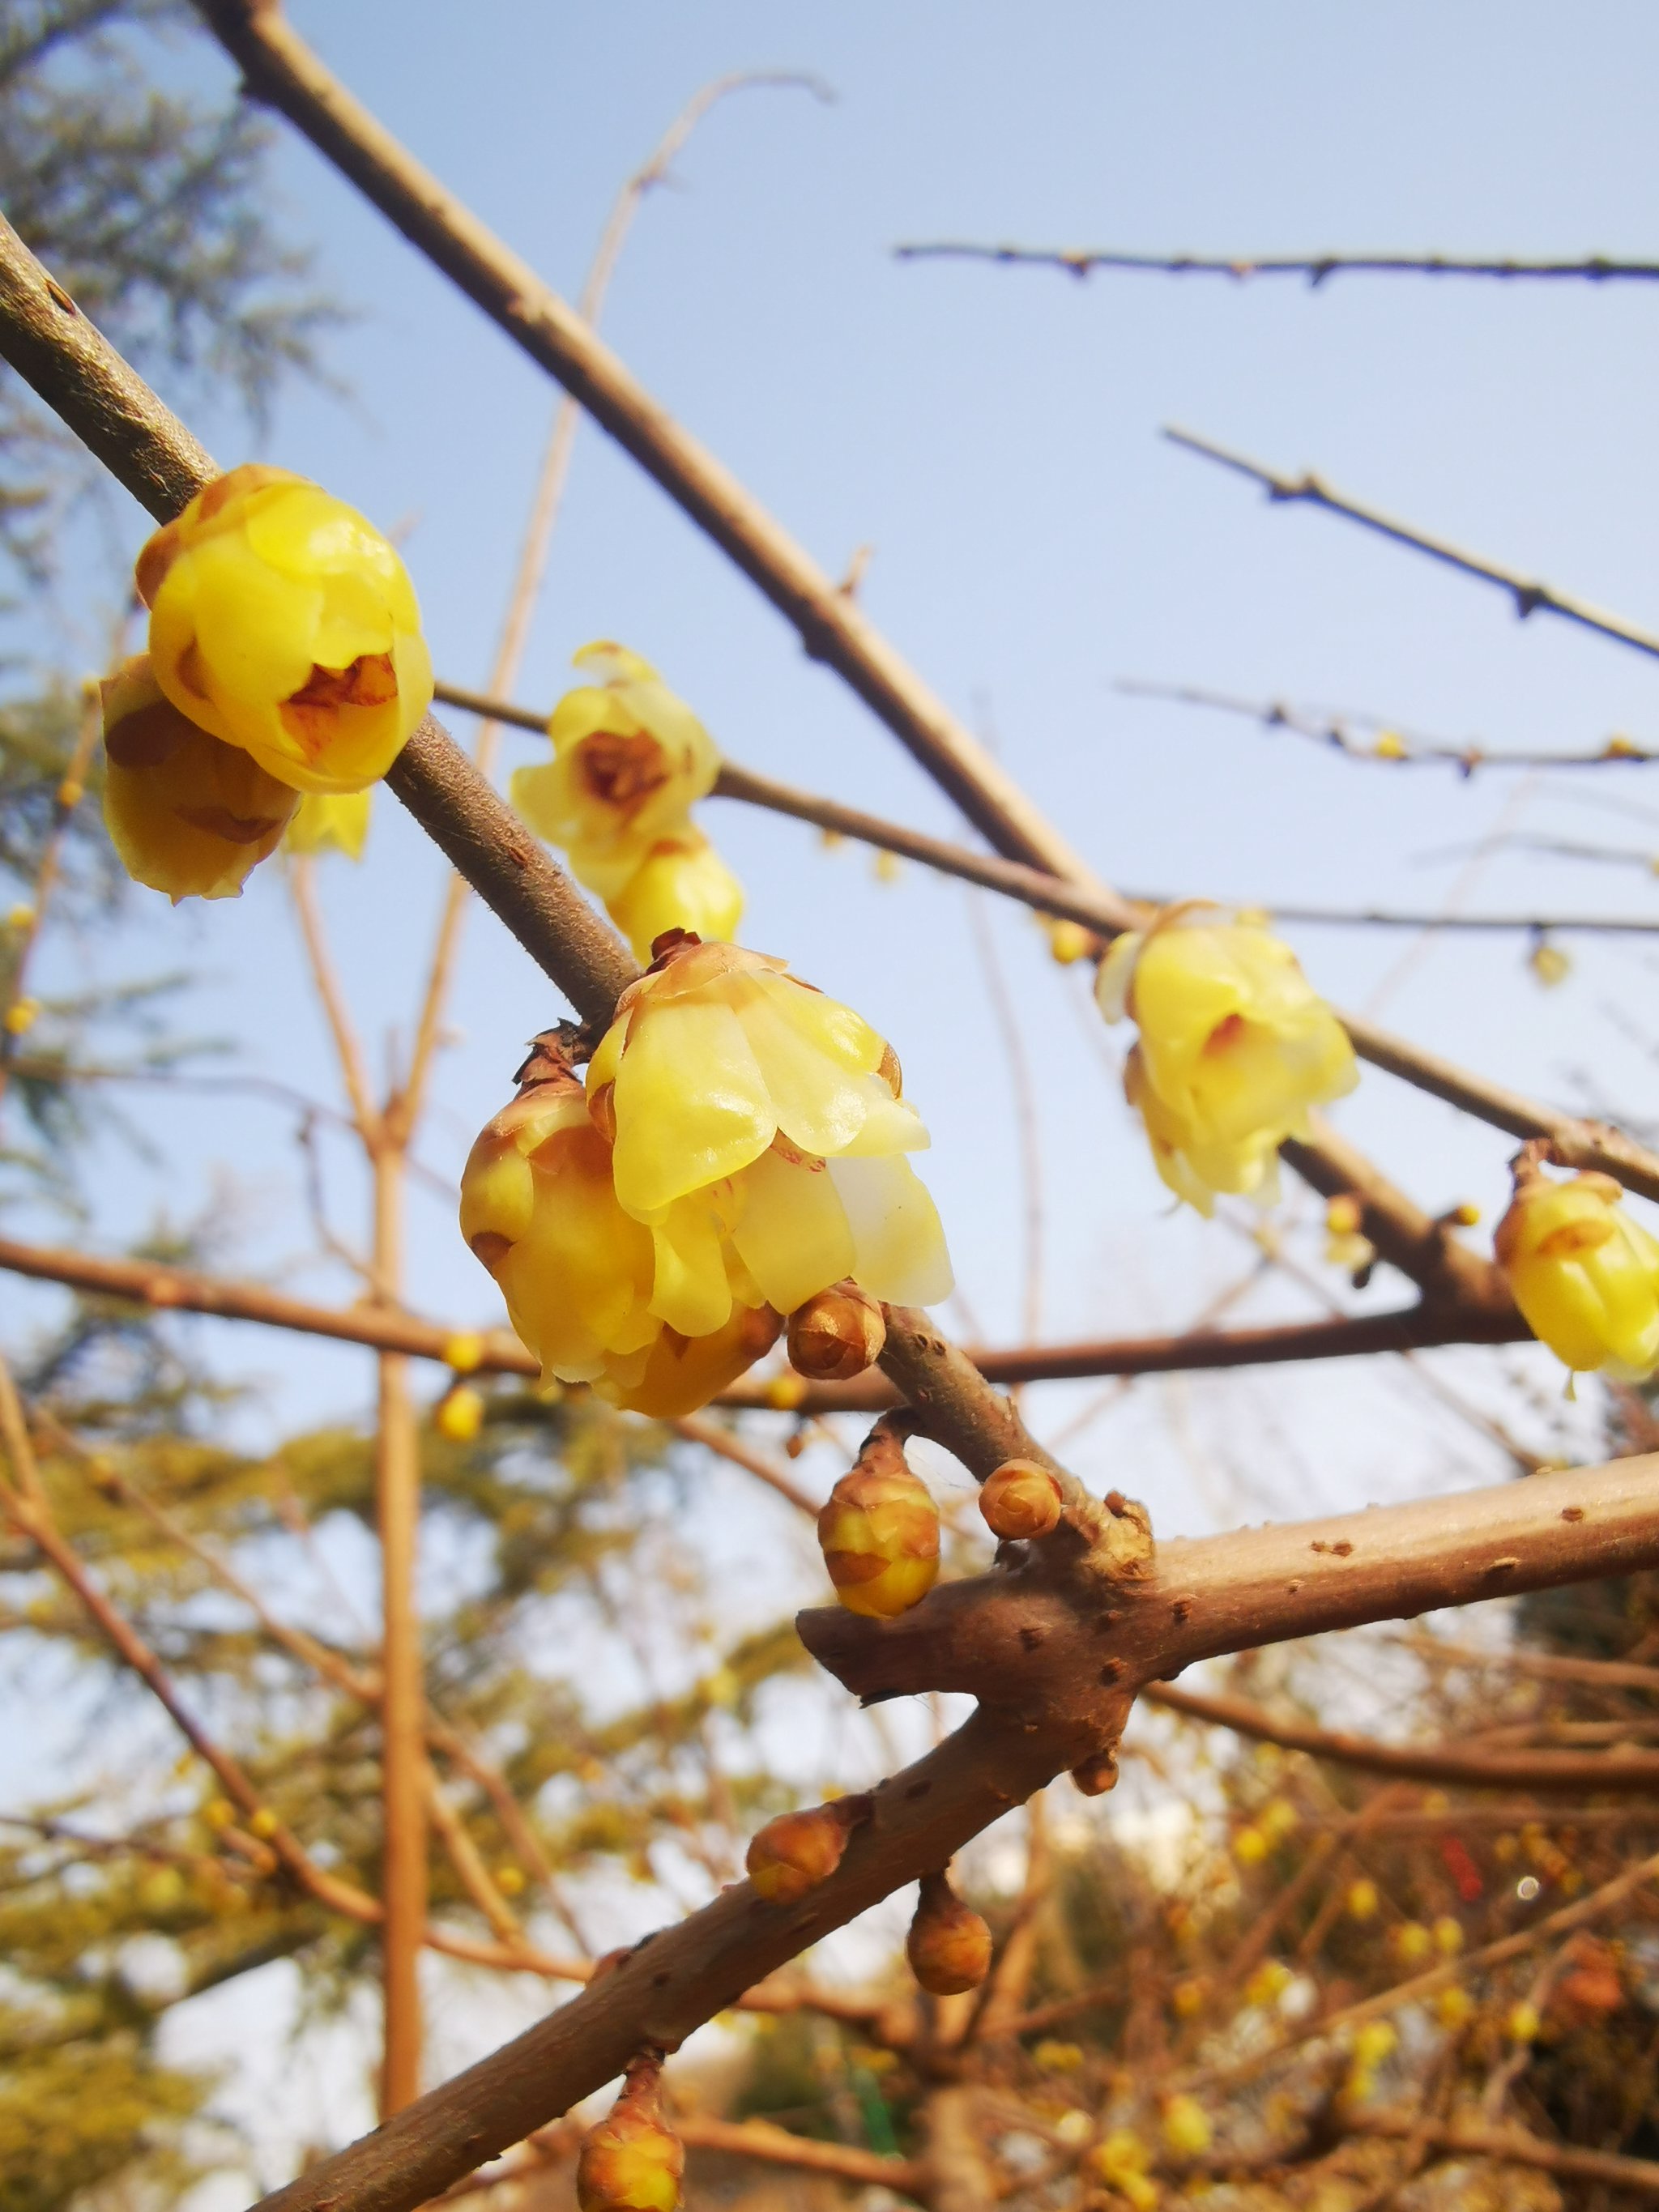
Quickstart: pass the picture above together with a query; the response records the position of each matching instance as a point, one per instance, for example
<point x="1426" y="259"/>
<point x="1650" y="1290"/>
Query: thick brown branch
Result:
<point x="1255" y="1586"/>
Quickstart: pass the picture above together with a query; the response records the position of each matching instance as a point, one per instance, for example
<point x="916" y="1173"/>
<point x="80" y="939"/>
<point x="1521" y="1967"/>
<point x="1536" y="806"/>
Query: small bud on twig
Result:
<point x="949" y="1945"/>
<point x="632" y="2161"/>
<point x="837" y="1335"/>
<point x="1020" y="1500"/>
<point x="878" y="1532"/>
<point x="798" y="1850"/>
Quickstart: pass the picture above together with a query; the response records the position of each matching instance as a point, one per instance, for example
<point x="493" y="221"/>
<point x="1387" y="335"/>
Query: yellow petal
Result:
<point x="898" y="1239"/>
<point x="791" y="1230"/>
<point x="692" y="1105"/>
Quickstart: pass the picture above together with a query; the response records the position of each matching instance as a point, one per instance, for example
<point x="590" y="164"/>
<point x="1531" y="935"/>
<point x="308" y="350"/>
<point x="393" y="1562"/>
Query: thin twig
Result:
<point x="1529" y="597"/>
<point x="1335" y="731"/>
<point x="1532" y="1769"/>
<point x="1079" y="261"/>
<point x="184" y="1290"/>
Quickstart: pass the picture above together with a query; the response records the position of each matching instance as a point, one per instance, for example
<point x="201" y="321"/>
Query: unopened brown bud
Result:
<point x="949" y="1945"/>
<point x="632" y="2161"/>
<point x="878" y="1532"/>
<point x="1095" y="1775"/>
<point x="798" y="1850"/>
<point x="1020" y="1500"/>
<point x="837" y="1335"/>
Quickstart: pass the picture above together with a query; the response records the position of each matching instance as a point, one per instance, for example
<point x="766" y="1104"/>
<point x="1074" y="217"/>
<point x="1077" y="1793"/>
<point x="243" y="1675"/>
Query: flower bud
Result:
<point x="681" y="883"/>
<point x="330" y="821"/>
<point x="1584" y="1275"/>
<point x="878" y="1532"/>
<point x="632" y="2161"/>
<point x="1021" y="1499"/>
<point x="1068" y="941"/>
<point x="187" y="815"/>
<point x="1094" y="1776"/>
<point x="797" y="1852"/>
<point x="1550" y="965"/>
<point x="459" y="1414"/>
<point x="283" y="623"/>
<point x="837" y="1335"/>
<point x="949" y="1945"/>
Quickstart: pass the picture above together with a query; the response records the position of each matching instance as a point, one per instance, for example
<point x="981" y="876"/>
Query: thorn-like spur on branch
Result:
<point x="1539" y="1768"/>
<point x="1389" y="746"/>
<point x="1578" y="1143"/>
<point x="497" y="1351"/>
<point x="1316" y="268"/>
<point x="1529" y="598"/>
<point x="280" y="70"/>
<point x="1200" y="1599"/>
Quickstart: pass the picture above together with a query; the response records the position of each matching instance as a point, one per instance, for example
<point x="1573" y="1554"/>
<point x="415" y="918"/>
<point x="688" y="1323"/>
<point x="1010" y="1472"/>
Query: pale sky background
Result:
<point x="993" y="436"/>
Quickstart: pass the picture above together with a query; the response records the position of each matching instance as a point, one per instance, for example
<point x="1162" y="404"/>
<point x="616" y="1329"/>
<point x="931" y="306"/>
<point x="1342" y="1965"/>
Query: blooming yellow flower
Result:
<point x="629" y="760"/>
<point x="1584" y="1275"/>
<point x="681" y="884"/>
<point x="187" y="815"/>
<point x="325" y="821"/>
<point x="725" y="1081"/>
<point x="1235" y="1049"/>
<point x="578" y="1274"/>
<point x="282" y="622"/>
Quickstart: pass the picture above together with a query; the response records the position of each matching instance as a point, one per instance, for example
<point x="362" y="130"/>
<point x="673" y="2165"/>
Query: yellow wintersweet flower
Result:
<point x="725" y="1081"/>
<point x="187" y="815"/>
<point x="325" y="821"/>
<point x="578" y="1274"/>
<point x="1191" y="1167"/>
<point x="629" y="760"/>
<point x="1235" y="1049"/>
<point x="1584" y="1275"/>
<point x="282" y="622"/>
<point x="681" y="884"/>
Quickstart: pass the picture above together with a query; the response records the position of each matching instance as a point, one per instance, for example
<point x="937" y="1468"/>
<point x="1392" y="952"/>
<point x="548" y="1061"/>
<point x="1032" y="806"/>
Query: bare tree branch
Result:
<point x="1073" y="261"/>
<point x="1530" y="598"/>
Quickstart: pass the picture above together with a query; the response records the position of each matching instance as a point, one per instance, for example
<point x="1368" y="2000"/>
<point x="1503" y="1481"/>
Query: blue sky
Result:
<point x="993" y="437"/>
